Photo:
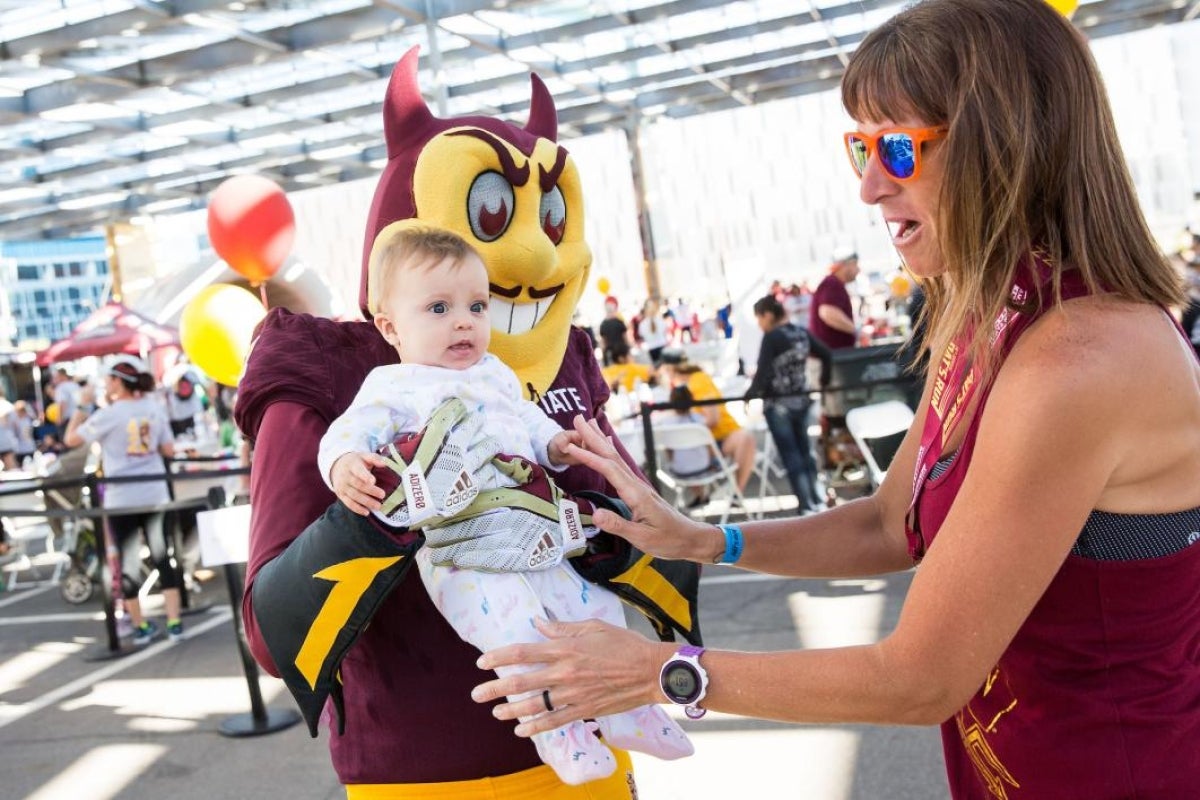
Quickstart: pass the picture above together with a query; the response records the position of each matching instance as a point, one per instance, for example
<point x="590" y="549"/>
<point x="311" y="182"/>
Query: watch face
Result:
<point x="681" y="682"/>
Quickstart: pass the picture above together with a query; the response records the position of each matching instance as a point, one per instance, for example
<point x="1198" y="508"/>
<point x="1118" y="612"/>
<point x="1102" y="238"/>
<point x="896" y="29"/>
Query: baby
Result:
<point x="428" y="291"/>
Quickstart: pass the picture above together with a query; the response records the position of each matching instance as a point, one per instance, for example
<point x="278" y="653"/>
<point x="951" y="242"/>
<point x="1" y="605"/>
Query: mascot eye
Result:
<point x="490" y="206"/>
<point x="553" y="214"/>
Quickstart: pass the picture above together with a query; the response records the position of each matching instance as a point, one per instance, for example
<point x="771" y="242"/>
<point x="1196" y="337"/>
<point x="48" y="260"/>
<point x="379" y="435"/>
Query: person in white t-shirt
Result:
<point x="66" y="395"/>
<point x="652" y="330"/>
<point x="134" y="436"/>
<point x="8" y="436"/>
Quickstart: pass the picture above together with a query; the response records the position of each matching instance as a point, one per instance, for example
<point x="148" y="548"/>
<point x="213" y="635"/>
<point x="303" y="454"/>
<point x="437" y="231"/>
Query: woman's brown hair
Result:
<point x="1031" y="158"/>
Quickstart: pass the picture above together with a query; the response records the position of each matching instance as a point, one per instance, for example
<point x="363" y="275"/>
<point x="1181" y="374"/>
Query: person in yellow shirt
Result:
<point x="736" y="443"/>
<point x="624" y="371"/>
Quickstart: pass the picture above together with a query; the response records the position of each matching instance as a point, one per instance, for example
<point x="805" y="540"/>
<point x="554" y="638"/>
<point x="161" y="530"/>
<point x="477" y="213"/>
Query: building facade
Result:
<point x="49" y="287"/>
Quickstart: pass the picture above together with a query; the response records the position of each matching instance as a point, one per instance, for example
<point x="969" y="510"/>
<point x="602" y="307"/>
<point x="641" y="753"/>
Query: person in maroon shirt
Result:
<point x="831" y="314"/>
<point x="398" y="688"/>
<point x="1050" y="484"/>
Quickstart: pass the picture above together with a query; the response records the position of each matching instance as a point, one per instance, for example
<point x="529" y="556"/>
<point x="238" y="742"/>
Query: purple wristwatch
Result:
<point x="684" y="681"/>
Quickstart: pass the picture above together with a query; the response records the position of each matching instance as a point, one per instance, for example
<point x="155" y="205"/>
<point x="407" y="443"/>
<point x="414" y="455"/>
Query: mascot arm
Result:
<point x="311" y="587"/>
<point x="665" y="592"/>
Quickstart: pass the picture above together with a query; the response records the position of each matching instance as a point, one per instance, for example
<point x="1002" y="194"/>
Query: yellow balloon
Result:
<point x="900" y="286"/>
<point x="215" y="330"/>
<point x="52" y="413"/>
<point x="603" y="285"/>
<point x="1064" y="7"/>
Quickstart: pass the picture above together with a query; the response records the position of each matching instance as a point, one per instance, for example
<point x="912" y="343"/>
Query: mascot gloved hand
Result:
<point x="434" y="474"/>
<point x="531" y="526"/>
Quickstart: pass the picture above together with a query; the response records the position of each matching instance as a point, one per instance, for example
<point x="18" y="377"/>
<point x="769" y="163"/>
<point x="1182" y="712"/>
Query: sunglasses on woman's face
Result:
<point x="899" y="150"/>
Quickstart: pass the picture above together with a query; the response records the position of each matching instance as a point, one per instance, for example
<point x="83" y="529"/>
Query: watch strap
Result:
<point x="688" y="656"/>
<point x="734" y="544"/>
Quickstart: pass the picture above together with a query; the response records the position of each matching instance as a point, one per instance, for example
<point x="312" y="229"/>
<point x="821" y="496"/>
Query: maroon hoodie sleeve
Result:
<point x="285" y="456"/>
<point x="301" y="373"/>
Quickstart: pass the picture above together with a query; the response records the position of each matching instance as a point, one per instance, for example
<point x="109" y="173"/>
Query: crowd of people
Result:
<point x="134" y="421"/>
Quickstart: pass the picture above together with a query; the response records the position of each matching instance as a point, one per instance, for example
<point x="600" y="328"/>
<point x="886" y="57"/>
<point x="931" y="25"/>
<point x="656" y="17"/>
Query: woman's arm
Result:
<point x="760" y="384"/>
<point x="862" y="537"/>
<point x="84" y="409"/>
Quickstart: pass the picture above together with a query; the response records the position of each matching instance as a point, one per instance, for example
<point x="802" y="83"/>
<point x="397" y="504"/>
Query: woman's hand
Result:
<point x="657" y="527"/>
<point x="590" y="669"/>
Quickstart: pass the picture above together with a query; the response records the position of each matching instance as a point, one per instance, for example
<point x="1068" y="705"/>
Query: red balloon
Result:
<point x="251" y="226"/>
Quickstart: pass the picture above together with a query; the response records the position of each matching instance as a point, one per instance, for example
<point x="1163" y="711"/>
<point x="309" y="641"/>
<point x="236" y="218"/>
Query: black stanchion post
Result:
<point x="261" y="719"/>
<point x="114" y="648"/>
<point x="648" y="444"/>
<point x="106" y="594"/>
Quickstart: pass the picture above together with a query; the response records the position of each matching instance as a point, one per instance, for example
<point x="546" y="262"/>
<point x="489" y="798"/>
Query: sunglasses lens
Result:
<point x="858" y="153"/>
<point x="897" y="154"/>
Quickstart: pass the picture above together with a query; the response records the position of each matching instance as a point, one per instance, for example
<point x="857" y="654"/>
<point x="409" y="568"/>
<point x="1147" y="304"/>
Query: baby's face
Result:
<point x="438" y="315"/>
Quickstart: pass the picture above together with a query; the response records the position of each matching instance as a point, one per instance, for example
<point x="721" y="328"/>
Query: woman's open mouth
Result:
<point x="902" y="230"/>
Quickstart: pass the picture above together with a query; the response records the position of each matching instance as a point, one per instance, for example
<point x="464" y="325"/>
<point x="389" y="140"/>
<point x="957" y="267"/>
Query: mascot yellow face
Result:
<point x="514" y="194"/>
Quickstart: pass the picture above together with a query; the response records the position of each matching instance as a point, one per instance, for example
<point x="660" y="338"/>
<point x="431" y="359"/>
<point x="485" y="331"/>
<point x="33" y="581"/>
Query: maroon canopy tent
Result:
<point x="110" y="330"/>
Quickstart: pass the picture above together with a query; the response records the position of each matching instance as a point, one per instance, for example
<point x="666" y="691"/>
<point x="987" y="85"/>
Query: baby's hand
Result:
<point x="557" y="448"/>
<point x="353" y="482"/>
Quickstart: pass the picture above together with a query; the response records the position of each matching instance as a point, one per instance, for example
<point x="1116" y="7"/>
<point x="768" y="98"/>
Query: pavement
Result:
<point x="77" y="722"/>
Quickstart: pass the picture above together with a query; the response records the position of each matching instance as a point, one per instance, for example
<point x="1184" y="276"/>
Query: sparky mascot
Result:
<point x="398" y="690"/>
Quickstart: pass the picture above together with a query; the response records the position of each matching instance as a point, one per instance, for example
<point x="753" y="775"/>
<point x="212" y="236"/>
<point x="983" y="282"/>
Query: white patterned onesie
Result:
<point x="489" y="609"/>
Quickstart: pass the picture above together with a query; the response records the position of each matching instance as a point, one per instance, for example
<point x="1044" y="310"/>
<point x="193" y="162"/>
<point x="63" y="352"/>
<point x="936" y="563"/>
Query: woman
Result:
<point x="1052" y="628"/>
<point x="652" y="330"/>
<point x="24" y="423"/>
<point x="134" y="436"/>
<point x="737" y="444"/>
<point x="782" y="378"/>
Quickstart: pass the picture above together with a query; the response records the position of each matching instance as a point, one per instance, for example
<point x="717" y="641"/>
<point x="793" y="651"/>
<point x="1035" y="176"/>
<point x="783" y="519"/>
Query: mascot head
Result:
<point x="513" y="193"/>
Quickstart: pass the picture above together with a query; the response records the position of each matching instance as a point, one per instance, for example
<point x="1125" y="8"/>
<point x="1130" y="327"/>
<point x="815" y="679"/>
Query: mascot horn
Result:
<point x="512" y="192"/>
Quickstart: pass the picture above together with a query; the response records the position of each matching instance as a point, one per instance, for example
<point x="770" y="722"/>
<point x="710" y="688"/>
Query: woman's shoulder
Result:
<point x="1098" y="332"/>
<point x="1100" y="353"/>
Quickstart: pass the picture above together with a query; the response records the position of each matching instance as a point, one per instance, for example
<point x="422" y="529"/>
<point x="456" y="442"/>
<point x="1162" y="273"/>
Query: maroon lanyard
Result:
<point x="957" y="381"/>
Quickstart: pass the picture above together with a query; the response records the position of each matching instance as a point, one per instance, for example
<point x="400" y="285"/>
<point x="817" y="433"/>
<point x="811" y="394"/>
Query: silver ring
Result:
<point x="546" y="700"/>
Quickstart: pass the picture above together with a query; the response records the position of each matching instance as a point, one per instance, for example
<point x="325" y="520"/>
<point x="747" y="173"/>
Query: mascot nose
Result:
<point x="527" y="263"/>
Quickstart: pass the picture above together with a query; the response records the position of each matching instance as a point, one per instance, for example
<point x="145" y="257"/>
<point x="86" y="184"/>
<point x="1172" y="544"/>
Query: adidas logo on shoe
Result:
<point x="545" y="551"/>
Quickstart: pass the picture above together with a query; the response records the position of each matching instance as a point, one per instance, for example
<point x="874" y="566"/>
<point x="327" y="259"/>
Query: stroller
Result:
<point x="79" y="535"/>
<point x="81" y="578"/>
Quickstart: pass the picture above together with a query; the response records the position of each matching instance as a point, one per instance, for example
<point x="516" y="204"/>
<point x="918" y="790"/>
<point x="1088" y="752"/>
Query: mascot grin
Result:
<point x="514" y="194"/>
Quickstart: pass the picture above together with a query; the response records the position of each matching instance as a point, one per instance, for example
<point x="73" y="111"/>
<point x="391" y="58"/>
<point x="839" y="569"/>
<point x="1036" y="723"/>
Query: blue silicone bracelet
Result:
<point x="734" y="542"/>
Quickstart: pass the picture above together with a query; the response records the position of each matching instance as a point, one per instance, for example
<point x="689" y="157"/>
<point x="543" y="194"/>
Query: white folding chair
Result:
<point x="632" y="439"/>
<point x="876" y="421"/>
<point x="720" y="476"/>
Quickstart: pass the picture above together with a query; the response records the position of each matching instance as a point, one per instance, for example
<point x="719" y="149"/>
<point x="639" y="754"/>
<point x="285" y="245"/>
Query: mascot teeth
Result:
<point x="517" y="318"/>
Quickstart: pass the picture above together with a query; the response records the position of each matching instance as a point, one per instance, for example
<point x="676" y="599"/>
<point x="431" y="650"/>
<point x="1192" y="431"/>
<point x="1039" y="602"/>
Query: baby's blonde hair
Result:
<point x="408" y="243"/>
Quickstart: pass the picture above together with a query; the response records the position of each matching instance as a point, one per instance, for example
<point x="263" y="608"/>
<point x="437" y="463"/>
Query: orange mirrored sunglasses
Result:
<point x="899" y="150"/>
